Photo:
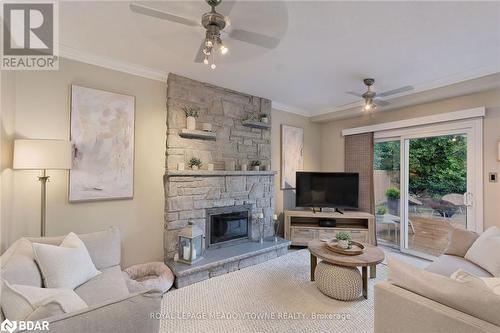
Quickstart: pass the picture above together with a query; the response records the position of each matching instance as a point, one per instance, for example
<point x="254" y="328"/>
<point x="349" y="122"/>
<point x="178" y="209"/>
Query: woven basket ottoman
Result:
<point x="339" y="282"/>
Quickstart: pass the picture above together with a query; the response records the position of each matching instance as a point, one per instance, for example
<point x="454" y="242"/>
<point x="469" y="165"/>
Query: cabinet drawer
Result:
<point x="359" y="236"/>
<point x="301" y="236"/>
<point x="326" y="234"/>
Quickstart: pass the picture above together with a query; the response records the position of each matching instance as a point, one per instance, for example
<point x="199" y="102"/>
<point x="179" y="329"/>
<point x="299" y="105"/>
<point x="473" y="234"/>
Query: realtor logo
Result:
<point x="9" y="326"/>
<point x="29" y="36"/>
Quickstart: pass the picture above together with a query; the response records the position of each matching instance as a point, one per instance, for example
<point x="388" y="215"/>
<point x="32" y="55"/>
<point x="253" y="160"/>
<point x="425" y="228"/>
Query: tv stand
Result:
<point x="302" y="226"/>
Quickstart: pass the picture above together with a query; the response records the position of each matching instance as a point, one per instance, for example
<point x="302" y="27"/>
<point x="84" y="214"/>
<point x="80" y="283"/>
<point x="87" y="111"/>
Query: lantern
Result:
<point x="191" y="244"/>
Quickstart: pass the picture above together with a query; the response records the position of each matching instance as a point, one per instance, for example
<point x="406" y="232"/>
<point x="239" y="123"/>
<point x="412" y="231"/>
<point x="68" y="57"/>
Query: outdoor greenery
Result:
<point x="392" y="193"/>
<point x="437" y="165"/>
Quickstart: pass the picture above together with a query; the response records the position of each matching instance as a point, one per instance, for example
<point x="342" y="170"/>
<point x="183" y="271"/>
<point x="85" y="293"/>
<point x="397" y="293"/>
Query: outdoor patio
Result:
<point x="430" y="236"/>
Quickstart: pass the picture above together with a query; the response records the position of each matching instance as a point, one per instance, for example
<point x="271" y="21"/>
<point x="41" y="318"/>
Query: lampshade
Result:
<point x="42" y="154"/>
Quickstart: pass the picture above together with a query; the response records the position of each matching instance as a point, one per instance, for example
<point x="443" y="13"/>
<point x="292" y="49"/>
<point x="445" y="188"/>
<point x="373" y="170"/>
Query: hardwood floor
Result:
<point x="431" y="233"/>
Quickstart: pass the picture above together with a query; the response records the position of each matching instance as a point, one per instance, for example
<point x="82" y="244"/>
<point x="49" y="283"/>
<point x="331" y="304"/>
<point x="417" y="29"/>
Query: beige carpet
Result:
<point x="275" y="296"/>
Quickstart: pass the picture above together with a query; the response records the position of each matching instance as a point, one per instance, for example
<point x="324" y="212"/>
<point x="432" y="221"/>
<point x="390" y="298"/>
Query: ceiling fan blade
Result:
<point x="199" y="55"/>
<point x="162" y="15"/>
<point x="354" y="93"/>
<point x="255" y="38"/>
<point x="395" y="91"/>
<point x="225" y="7"/>
<point x="381" y="102"/>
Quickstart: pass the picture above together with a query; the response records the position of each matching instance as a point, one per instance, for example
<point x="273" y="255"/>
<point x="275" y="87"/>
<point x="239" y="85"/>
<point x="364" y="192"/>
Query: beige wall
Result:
<point x="332" y="151"/>
<point x="312" y="152"/>
<point x="36" y="105"/>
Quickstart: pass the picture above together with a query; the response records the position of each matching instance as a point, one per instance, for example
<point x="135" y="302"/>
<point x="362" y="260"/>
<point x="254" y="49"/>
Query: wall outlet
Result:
<point x="493" y="177"/>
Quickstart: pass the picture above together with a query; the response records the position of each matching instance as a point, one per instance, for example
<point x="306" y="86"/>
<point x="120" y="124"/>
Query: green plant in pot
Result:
<point x="194" y="163"/>
<point x="191" y="115"/>
<point x="393" y="195"/>
<point x="263" y="118"/>
<point x="344" y="239"/>
<point x="255" y="165"/>
<point x="382" y="210"/>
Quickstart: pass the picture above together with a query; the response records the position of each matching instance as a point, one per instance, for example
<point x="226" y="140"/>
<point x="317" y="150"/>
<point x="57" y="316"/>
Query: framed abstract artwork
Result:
<point x="292" y="154"/>
<point x="102" y="137"/>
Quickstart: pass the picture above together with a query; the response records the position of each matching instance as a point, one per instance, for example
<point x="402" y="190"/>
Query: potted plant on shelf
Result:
<point x="191" y="115"/>
<point x="255" y="165"/>
<point x="263" y="118"/>
<point x="194" y="163"/>
<point x="344" y="240"/>
<point x="393" y="195"/>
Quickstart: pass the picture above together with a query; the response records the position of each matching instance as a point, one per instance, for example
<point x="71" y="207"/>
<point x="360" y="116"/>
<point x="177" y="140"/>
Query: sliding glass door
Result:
<point x="430" y="174"/>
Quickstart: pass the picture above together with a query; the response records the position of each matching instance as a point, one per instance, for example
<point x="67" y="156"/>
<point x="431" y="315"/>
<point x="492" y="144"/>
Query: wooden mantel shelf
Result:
<point x="206" y="173"/>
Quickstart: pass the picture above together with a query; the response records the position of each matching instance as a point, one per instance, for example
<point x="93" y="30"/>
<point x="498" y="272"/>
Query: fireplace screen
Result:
<point x="228" y="227"/>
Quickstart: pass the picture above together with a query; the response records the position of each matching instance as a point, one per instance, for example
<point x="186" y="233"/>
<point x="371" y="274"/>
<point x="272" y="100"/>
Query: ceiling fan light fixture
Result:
<point x="223" y="49"/>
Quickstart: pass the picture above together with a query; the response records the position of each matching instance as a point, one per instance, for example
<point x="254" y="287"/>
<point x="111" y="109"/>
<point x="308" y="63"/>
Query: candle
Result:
<point x="275" y="217"/>
<point x="186" y="252"/>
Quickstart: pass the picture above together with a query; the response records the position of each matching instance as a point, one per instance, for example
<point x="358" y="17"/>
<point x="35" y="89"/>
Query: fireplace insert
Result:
<point x="228" y="225"/>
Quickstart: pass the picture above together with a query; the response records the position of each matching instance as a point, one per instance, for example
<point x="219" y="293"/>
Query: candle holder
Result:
<point x="276" y="225"/>
<point x="260" y="220"/>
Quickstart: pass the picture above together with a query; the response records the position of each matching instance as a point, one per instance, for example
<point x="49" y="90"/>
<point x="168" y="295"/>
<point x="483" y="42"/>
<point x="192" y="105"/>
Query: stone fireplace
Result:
<point x="227" y="226"/>
<point x="222" y="202"/>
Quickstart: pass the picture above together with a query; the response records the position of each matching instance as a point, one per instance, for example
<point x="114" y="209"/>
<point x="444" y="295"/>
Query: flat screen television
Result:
<point x="327" y="189"/>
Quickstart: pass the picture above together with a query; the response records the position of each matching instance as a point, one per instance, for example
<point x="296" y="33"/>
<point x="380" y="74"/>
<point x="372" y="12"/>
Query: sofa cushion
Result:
<point x="66" y="266"/>
<point x="447" y="265"/>
<point x="479" y="303"/>
<point x="490" y="283"/>
<point x="18" y="265"/>
<point x="20" y="302"/>
<point x="104" y="246"/>
<point x="110" y="284"/>
<point x="485" y="251"/>
<point x="459" y="242"/>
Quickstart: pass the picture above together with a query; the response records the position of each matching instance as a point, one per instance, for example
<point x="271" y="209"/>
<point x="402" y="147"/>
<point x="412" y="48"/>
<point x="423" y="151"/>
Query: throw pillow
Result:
<point x="66" y="266"/>
<point x="460" y="241"/>
<point x="21" y="302"/>
<point x="485" y="252"/>
<point x="490" y="284"/>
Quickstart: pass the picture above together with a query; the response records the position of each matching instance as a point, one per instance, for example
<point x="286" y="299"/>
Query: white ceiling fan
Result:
<point x="372" y="99"/>
<point x="214" y="23"/>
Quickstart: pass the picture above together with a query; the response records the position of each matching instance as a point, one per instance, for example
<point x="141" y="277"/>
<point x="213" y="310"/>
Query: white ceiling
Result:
<point x="326" y="47"/>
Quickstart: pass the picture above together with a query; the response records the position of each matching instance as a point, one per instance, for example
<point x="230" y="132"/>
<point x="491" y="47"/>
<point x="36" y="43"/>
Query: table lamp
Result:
<point x="42" y="155"/>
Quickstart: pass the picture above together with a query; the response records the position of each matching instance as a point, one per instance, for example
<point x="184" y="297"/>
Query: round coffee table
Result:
<point x="371" y="256"/>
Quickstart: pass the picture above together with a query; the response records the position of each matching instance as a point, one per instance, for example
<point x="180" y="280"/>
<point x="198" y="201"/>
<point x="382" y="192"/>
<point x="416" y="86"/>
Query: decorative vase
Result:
<point x="256" y="168"/>
<point x="194" y="167"/>
<point x="264" y="120"/>
<point x="180" y="166"/>
<point x="210" y="167"/>
<point x="244" y="167"/>
<point x="191" y="123"/>
<point x="344" y="244"/>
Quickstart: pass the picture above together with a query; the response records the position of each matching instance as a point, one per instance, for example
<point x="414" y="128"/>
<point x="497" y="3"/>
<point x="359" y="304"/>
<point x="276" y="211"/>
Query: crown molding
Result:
<point x="290" y="109"/>
<point x="106" y="62"/>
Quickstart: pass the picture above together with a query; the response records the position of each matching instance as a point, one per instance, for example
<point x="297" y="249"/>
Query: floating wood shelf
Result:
<point x="256" y="124"/>
<point x="195" y="134"/>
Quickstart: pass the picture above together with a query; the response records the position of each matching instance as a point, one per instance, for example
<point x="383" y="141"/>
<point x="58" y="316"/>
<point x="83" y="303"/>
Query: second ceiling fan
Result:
<point x="372" y="98"/>
<point x="214" y="24"/>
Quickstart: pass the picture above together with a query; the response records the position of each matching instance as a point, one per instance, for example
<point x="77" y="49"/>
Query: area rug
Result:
<point x="275" y="296"/>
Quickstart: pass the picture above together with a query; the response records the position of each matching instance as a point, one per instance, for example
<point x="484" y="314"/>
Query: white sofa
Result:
<point x="111" y="307"/>
<point x="426" y="302"/>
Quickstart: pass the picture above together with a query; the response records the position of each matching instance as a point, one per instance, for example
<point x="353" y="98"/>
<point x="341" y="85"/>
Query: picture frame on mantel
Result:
<point x="292" y="155"/>
<point x="102" y="138"/>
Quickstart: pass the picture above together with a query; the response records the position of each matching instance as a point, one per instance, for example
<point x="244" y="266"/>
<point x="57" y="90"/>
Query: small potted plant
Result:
<point x="191" y="115"/>
<point x="194" y="163"/>
<point x="263" y="118"/>
<point x="344" y="240"/>
<point x="255" y="165"/>
<point x="393" y="195"/>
